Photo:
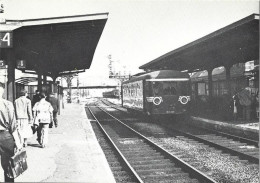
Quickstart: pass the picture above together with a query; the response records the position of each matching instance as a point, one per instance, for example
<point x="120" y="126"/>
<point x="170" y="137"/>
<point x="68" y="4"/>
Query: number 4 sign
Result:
<point x="6" y="39"/>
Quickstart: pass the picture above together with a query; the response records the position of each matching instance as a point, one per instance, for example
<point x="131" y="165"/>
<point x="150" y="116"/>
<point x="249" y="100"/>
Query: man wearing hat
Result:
<point x="56" y="106"/>
<point x="8" y="133"/>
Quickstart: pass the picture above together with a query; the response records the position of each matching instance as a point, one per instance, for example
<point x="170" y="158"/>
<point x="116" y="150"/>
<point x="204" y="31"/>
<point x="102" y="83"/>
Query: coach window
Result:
<point x="202" y="89"/>
<point x="156" y="88"/>
<point x="169" y="88"/>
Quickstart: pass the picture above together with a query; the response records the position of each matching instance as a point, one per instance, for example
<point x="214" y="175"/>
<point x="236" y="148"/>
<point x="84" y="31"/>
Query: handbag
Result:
<point x="17" y="164"/>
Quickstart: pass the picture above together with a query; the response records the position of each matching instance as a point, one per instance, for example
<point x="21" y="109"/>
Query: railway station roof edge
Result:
<point x="201" y="51"/>
<point x="54" y="46"/>
<point x="53" y="20"/>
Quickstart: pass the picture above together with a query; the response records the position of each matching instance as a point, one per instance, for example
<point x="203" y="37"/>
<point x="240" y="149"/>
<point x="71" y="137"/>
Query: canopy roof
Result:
<point x="235" y="43"/>
<point x="53" y="46"/>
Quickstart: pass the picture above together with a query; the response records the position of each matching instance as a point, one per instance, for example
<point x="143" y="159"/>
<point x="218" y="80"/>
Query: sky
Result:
<point x="138" y="31"/>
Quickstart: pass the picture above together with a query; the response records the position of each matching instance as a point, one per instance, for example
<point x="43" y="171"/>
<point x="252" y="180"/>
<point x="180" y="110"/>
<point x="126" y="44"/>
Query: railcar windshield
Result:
<point x="170" y="88"/>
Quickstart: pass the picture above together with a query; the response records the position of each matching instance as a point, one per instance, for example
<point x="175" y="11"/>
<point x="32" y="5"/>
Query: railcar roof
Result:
<point x="161" y="74"/>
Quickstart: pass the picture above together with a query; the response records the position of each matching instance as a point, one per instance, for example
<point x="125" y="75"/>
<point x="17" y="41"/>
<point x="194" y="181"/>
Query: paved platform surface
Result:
<point x="72" y="155"/>
<point x="246" y="129"/>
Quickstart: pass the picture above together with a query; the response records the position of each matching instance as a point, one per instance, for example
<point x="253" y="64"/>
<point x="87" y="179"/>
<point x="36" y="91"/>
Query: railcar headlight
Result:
<point x="157" y="100"/>
<point x="184" y="99"/>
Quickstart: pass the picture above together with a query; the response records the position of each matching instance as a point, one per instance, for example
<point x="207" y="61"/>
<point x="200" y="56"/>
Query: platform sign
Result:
<point x="20" y="64"/>
<point x="6" y="39"/>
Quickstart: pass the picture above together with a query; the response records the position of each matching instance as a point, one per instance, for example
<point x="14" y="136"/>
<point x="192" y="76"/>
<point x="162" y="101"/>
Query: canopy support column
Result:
<point x="228" y="78"/>
<point x="40" y="82"/>
<point x="210" y="88"/>
<point x="44" y="79"/>
<point x="11" y="76"/>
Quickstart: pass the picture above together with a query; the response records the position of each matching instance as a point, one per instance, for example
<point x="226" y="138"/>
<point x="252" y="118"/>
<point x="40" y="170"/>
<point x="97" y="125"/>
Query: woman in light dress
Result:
<point x="42" y="112"/>
<point x="23" y="112"/>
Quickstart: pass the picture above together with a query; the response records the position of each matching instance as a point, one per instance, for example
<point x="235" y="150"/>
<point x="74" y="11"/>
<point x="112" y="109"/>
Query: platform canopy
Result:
<point x="235" y="43"/>
<point x="54" y="46"/>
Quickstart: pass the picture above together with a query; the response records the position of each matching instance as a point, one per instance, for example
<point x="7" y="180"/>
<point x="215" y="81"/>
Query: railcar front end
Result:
<point x="158" y="93"/>
<point x="167" y="96"/>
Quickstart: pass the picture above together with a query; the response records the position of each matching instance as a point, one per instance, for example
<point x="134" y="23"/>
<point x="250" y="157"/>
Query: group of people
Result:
<point x="243" y="104"/>
<point x="20" y="121"/>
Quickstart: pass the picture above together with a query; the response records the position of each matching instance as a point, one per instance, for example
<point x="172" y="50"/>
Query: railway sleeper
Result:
<point x="111" y="157"/>
<point x="117" y="168"/>
<point x="124" y="179"/>
<point x="176" y="153"/>
<point x="139" y="152"/>
<point x="167" y="177"/>
<point x="160" y="171"/>
<point x="114" y="164"/>
<point x="151" y="161"/>
<point x="134" y="148"/>
<point x="142" y="153"/>
<point x="253" y="154"/>
<point x="153" y="166"/>
<point x="175" y="181"/>
<point x="246" y="150"/>
<point x="144" y="158"/>
<point x="121" y="174"/>
<point x="228" y="142"/>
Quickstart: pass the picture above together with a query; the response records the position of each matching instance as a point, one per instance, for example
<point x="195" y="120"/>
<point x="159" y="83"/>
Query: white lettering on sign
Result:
<point x="5" y="39"/>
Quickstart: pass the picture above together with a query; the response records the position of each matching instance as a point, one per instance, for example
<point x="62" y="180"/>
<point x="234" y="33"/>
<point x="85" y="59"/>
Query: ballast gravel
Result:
<point x="223" y="168"/>
<point x="216" y="165"/>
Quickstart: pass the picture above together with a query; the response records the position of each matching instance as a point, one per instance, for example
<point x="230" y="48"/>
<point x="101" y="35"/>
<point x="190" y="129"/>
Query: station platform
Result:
<point x="72" y="154"/>
<point x="241" y="128"/>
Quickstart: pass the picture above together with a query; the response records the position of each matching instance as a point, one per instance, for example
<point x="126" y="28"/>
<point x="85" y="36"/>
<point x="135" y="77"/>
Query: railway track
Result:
<point x="242" y="152"/>
<point x="246" y="149"/>
<point x="120" y="169"/>
<point x="149" y="161"/>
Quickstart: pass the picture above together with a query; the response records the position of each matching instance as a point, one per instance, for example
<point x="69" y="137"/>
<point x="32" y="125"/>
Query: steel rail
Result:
<point x="192" y="171"/>
<point x="116" y="148"/>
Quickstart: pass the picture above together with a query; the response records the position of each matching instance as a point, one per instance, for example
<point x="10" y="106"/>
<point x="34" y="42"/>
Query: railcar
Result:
<point x="157" y="93"/>
<point x="111" y="94"/>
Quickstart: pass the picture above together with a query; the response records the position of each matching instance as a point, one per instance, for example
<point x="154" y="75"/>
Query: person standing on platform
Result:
<point x="9" y="140"/>
<point x="36" y="97"/>
<point x="42" y="112"/>
<point x="56" y="106"/>
<point x="245" y="100"/>
<point x="235" y="106"/>
<point x="23" y="111"/>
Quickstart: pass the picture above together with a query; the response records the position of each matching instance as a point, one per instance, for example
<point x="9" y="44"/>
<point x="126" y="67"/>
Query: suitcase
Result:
<point x="17" y="164"/>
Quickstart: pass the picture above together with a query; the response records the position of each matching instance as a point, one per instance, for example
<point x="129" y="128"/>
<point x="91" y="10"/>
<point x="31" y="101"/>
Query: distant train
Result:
<point x="111" y="94"/>
<point x="157" y="93"/>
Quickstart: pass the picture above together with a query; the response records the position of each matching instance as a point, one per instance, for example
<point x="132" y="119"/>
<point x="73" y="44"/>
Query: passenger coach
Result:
<point x="157" y="93"/>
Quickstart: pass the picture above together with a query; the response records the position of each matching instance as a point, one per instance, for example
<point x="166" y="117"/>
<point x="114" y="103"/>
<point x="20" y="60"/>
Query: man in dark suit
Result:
<point x="36" y="97"/>
<point x="56" y="106"/>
